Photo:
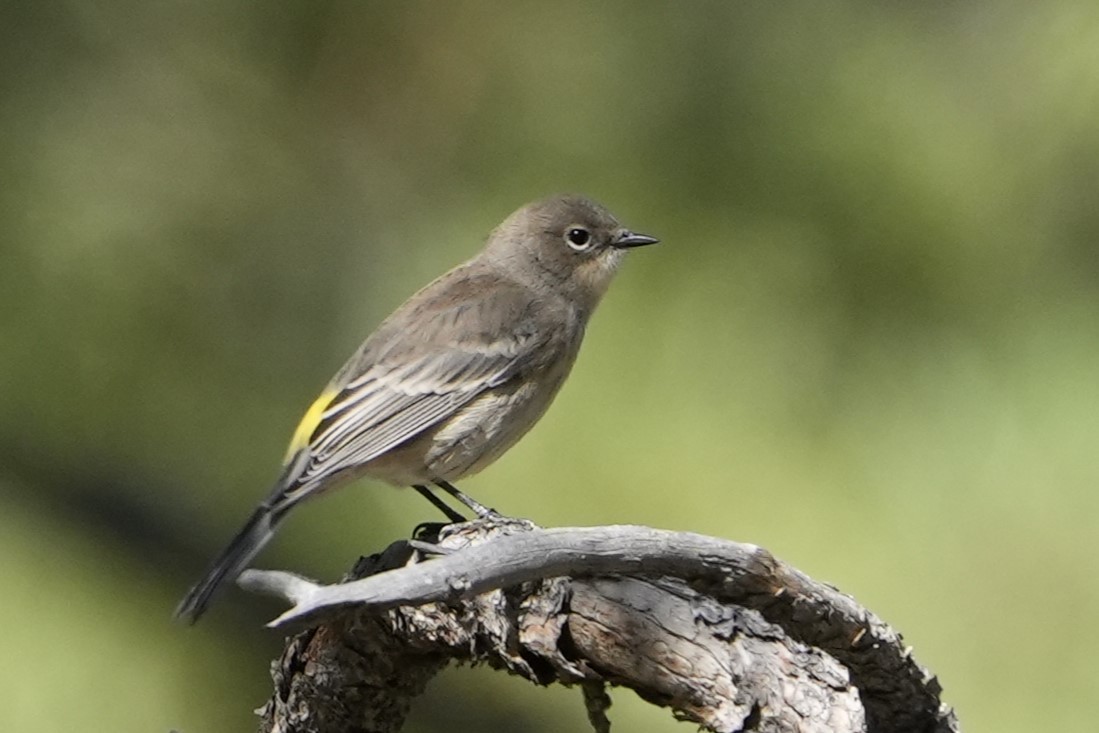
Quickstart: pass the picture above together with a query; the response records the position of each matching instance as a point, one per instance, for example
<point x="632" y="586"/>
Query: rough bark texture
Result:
<point x="722" y="633"/>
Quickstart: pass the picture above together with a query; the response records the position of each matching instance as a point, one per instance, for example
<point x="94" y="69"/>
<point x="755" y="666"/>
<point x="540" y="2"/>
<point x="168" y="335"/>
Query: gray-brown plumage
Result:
<point x="455" y="376"/>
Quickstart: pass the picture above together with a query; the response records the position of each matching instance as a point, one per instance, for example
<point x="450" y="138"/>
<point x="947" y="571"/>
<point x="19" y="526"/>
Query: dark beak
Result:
<point x="628" y="239"/>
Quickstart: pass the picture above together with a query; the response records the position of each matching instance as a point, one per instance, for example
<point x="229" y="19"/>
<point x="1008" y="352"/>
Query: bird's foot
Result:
<point x="429" y="548"/>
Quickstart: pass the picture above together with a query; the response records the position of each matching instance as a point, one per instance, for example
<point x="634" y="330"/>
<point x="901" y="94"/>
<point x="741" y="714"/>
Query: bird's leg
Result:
<point x="441" y="505"/>
<point x="475" y="506"/>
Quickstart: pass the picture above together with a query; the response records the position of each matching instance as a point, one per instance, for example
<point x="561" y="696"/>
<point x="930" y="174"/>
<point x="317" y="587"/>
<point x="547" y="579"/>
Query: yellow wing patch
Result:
<point x="309" y="422"/>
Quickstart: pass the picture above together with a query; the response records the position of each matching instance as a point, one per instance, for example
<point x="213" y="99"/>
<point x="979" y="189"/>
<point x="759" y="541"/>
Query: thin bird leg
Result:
<point x="439" y="504"/>
<point x="477" y="507"/>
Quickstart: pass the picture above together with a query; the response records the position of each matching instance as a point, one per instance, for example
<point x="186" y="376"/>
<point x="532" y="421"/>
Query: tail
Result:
<point x="259" y="529"/>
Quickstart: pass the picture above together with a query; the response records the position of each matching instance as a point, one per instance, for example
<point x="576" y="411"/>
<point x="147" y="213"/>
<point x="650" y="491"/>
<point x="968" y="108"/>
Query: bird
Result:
<point x="453" y="378"/>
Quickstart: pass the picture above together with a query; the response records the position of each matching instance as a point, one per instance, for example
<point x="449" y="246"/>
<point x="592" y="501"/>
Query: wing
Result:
<point x="462" y="335"/>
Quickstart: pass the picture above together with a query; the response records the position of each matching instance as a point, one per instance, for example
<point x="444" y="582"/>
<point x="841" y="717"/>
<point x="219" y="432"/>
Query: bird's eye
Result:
<point x="578" y="238"/>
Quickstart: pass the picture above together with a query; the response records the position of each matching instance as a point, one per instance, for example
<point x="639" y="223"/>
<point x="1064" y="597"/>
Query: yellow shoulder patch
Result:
<point x="309" y="423"/>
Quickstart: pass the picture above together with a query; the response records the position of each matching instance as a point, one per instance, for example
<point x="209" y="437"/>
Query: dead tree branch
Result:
<point x="723" y="633"/>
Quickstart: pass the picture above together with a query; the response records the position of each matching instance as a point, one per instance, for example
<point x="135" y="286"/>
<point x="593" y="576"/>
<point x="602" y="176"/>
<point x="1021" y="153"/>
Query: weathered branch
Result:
<point x="723" y="633"/>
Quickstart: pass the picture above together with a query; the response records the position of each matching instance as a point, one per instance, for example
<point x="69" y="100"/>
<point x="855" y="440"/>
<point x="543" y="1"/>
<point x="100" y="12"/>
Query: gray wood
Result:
<point x="721" y="632"/>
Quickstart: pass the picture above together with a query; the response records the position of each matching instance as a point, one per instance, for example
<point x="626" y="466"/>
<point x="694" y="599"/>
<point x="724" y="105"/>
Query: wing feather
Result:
<point x="420" y="367"/>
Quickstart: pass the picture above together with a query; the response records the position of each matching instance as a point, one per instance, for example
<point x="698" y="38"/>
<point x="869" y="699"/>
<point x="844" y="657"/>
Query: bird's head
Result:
<point x="567" y="242"/>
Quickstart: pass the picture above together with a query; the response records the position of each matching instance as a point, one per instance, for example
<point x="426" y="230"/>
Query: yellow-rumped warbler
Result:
<point x="454" y="377"/>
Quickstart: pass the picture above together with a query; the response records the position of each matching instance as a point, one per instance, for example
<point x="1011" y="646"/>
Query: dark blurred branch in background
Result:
<point x="723" y="633"/>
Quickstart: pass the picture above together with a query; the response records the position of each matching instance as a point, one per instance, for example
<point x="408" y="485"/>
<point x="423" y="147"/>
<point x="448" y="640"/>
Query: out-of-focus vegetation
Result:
<point x="869" y="341"/>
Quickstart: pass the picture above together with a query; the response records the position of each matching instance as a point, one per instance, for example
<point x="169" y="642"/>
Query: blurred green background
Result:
<point x="869" y="341"/>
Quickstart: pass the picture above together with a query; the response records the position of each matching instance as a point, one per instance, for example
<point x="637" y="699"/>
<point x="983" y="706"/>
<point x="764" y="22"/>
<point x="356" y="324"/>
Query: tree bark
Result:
<point x="722" y="633"/>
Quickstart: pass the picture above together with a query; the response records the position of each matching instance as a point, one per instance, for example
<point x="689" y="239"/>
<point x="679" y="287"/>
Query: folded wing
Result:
<point x="411" y="374"/>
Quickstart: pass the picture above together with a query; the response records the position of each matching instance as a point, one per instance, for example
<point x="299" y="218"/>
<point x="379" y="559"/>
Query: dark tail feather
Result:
<point x="231" y="563"/>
